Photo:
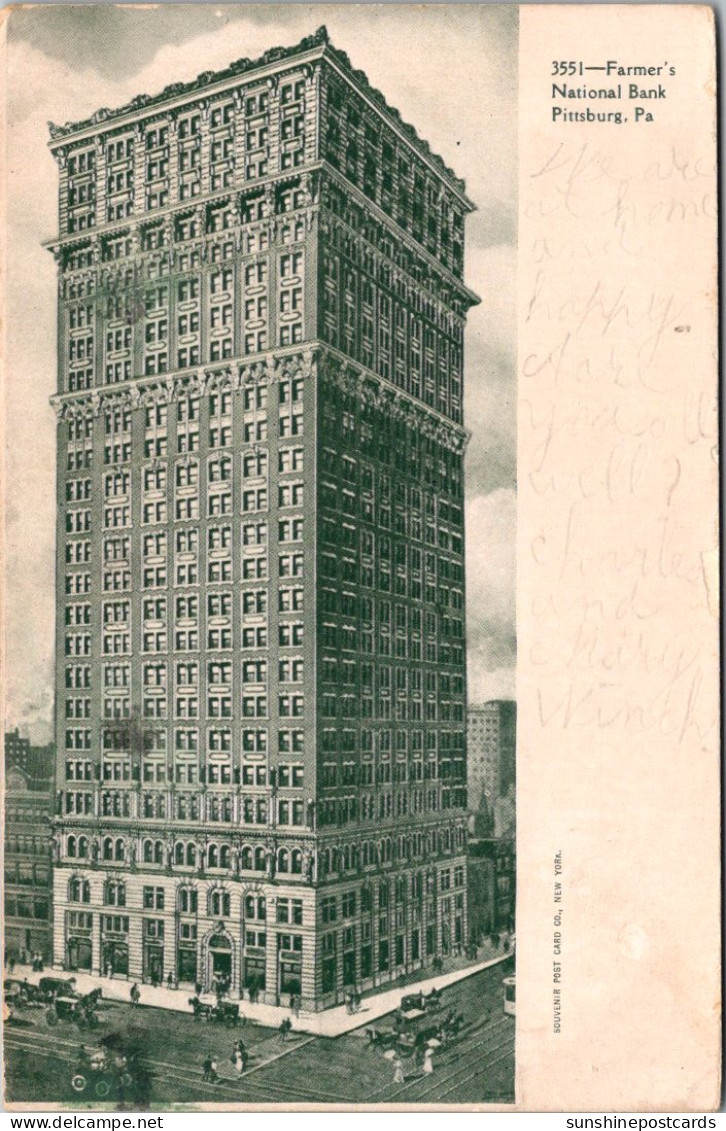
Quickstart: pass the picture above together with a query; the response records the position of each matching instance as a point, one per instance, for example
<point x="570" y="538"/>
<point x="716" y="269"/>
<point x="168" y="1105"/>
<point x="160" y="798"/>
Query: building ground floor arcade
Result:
<point x="269" y="939"/>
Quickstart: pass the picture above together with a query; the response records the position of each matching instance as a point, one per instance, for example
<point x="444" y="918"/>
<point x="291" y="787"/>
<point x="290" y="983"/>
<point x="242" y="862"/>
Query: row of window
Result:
<point x="231" y="139"/>
<point x="285" y="775"/>
<point x="183" y="854"/>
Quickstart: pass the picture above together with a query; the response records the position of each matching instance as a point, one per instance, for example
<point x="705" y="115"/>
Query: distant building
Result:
<point x="37" y="762"/>
<point x="28" y="888"/>
<point x="491" y="877"/>
<point x="491" y="743"/>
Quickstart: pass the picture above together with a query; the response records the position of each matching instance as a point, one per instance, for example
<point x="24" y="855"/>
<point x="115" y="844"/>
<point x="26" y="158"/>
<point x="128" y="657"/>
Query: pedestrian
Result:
<point x="11" y="965"/>
<point x="398" y="1073"/>
<point x="135" y="994"/>
<point x="428" y="1064"/>
<point x="295" y="1005"/>
<point x="348" y="1002"/>
<point x="207" y="1068"/>
<point x="170" y="981"/>
<point x="356" y="1001"/>
<point x="213" y="1077"/>
<point x="285" y="1028"/>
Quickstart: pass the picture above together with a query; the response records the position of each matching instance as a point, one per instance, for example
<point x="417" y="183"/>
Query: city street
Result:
<point x="475" y="1067"/>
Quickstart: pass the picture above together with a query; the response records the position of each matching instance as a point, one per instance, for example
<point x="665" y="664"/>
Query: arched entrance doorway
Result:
<point x="220" y="955"/>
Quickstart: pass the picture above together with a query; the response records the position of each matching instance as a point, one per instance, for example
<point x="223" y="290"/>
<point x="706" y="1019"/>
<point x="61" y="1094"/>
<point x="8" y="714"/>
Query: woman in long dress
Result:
<point x="398" y="1075"/>
<point x="428" y="1064"/>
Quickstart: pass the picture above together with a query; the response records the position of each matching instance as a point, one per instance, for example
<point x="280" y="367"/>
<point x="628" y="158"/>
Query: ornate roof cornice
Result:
<point x="177" y="89"/>
<point x="145" y="103"/>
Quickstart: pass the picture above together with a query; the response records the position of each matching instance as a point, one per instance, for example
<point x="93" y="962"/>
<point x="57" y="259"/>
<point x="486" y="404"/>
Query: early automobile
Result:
<point x="101" y="1074"/>
<point x="77" y="1010"/>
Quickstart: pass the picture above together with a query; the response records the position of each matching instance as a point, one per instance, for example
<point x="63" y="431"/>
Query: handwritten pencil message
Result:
<point x="617" y="529"/>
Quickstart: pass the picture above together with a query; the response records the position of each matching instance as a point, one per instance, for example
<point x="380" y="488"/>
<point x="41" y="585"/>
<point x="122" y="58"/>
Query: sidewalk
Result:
<point x="331" y="1022"/>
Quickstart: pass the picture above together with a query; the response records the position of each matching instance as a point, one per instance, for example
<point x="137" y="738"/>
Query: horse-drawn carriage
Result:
<point x="17" y="993"/>
<point x="49" y="988"/>
<point x="217" y="1012"/>
<point x="416" y="1025"/>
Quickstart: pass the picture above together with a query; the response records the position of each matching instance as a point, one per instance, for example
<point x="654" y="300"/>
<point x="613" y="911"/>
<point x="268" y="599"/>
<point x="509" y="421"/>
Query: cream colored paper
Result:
<point x="617" y="682"/>
<point x="616" y="563"/>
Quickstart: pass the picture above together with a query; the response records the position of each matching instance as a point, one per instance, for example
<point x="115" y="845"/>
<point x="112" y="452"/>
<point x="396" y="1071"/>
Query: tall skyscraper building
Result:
<point x="491" y="762"/>
<point x="260" y="648"/>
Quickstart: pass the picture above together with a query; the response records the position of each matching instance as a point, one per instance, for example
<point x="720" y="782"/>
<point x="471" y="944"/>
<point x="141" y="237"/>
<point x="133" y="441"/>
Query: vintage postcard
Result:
<point x="360" y="620"/>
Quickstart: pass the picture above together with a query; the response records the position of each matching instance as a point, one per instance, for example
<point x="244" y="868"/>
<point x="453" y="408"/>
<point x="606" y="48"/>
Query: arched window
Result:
<point x="83" y="847"/>
<point x="260" y="859"/>
<point x="213" y="856"/>
<point x="325" y="862"/>
<point x="148" y="852"/>
<point x="246" y="859"/>
<point x="255" y="907"/>
<point x="158" y="852"/>
<point x="296" y="861"/>
<point x="224" y="856"/>
<point x="120" y="853"/>
<point x="107" y="848"/>
<point x="346" y="858"/>
<point x="79" y="891"/>
<point x="219" y="903"/>
<point x="188" y="901"/>
<point x="71" y="850"/>
<point x="283" y="860"/>
<point x="191" y="855"/>
<point x="115" y="893"/>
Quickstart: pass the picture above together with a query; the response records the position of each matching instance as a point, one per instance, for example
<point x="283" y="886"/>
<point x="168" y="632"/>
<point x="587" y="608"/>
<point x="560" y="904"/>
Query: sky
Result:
<point x="450" y="70"/>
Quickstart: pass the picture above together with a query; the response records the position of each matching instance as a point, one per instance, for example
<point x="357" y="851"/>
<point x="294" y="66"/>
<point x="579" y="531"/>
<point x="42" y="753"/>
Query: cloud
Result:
<point x="490" y="571"/>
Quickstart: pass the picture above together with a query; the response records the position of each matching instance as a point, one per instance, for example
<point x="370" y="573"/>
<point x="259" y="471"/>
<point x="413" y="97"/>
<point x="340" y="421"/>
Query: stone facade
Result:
<point x="261" y="644"/>
<point x="27" y="865"/>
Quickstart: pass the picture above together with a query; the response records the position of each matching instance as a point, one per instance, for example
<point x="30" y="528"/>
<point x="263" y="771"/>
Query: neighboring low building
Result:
<point x="36" y="762"/>
<point x="491" y="875"/>
<point x="28" y="888"/>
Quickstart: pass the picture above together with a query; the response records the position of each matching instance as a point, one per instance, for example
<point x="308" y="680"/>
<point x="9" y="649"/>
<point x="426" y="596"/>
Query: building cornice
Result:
<point x="185" y="207"/>
<point x="178" y="95"/>
<point x="348" y="374"/>
<point x="211" y="83"/>
<point x="166" y="387"/>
